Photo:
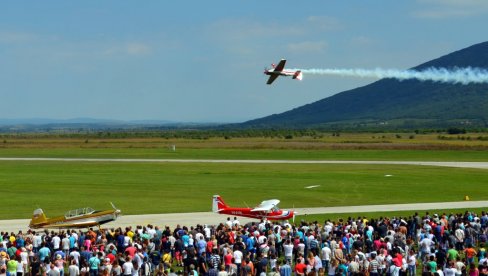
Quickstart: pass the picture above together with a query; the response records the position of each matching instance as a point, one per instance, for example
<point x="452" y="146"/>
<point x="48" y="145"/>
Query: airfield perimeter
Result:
<point x="172" y="219"/>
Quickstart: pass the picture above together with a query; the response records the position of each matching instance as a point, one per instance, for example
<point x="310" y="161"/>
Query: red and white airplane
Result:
<point x="268" y="209"/>
<point x="279" y="70"/>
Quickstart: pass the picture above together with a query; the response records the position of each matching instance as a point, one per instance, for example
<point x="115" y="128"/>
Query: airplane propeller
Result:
<point x="294" y="213"/>
<point x="117" y="211"/>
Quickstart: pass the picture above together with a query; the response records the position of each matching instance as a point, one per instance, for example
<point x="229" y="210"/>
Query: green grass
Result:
<point x="287" y="154"/>
<point x="142" y="188"/>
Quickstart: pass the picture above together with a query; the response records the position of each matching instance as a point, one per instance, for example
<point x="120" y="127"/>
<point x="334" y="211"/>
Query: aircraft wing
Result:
<point x="272" y="79"/>
<point x="280" y="65"/>
<point x="266" y="205"/>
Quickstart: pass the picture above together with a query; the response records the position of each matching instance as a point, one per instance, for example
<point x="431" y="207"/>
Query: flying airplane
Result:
<point x="279" y="70"/>
<point x="77" y="218"/>
<point x="268" y="209"/>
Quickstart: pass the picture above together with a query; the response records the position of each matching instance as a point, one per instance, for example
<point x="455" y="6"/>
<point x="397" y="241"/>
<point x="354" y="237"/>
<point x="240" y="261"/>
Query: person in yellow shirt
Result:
<point x="167" y="259"/>
<point x="129" y="233"/>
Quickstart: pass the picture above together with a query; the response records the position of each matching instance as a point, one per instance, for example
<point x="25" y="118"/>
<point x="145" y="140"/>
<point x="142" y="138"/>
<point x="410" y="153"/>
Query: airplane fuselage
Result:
<point x="246" y="212"/>
<point x="95" y="218"/>
<point x="286" y="73"/>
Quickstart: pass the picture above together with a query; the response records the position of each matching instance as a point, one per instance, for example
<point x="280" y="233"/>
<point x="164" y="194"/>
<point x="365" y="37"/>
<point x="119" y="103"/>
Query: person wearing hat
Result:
<point x="59" y="263"/>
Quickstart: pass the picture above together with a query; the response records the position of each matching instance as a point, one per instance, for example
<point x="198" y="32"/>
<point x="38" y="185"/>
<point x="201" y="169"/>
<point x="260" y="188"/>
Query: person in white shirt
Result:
<point x="326" y="254"/>
<point x="288" y="251"/>
<point x="73" y="269"/>
<point x="56" y="240"/>
<point x="127" y="267"/>
<point x="450" y="269"/>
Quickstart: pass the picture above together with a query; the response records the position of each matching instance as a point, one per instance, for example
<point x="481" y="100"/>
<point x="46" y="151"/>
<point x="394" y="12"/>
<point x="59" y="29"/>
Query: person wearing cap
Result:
<point x="59" y="263"/>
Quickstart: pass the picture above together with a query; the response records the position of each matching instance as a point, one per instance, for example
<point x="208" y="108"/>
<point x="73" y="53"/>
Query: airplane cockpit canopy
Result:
<point x="79" y="212"/>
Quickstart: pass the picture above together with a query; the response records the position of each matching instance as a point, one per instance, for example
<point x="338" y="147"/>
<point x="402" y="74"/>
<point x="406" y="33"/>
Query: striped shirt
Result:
<point x="373" y="266"/>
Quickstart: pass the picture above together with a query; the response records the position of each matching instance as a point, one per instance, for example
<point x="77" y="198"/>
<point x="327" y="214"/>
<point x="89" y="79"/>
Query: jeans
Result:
<point x="412" y="270"/>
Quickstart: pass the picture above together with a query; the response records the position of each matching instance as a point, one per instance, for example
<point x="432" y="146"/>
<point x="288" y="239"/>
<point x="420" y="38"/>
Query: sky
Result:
<point x="203" y="61"/>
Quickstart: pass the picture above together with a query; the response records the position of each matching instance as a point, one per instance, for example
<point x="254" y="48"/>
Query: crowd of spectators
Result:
<point x="430" y="244"/>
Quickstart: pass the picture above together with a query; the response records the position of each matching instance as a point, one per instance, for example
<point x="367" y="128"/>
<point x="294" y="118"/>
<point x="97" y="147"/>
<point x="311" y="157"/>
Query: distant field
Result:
<point x="425" y="147"/>
<point x="168" y="187"/>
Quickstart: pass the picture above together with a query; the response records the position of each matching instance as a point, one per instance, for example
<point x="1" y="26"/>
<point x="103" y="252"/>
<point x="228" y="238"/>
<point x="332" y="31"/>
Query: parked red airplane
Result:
<point x="268" y="209"/>
<point x="279" y="70"/>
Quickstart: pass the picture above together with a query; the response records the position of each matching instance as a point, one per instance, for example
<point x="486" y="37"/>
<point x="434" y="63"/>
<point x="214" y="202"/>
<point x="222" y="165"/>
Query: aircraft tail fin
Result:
<point x="298" y="75"/>
<point x="217" y="204"/>
<point x="37" y="218"/>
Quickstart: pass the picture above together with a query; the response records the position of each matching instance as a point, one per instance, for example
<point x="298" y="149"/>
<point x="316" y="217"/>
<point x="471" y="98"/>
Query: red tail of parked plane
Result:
<point x="218" y="204"/>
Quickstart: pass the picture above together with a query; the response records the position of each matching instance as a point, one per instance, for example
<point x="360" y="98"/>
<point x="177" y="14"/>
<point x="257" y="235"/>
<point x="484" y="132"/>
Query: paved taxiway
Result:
<point x="189" y="219"/>
<point x="476" y="165"/>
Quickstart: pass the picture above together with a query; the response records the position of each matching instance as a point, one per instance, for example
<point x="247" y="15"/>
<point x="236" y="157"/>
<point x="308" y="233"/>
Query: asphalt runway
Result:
<point x="191" y="219"/>
<point x="475" y="165"/>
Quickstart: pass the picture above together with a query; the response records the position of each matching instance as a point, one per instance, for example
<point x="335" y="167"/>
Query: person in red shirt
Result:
<point x="398" y="260"/>
<point x="228" y="259"/>
<point x="209" y="246"/>
<point x="300" y="268"/>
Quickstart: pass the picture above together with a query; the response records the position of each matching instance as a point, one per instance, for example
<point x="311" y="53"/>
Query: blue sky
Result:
<point x="203" y="61"/>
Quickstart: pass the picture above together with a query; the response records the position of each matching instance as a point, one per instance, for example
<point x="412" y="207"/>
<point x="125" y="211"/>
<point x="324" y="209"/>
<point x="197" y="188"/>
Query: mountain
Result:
<point x="399" y="104"/>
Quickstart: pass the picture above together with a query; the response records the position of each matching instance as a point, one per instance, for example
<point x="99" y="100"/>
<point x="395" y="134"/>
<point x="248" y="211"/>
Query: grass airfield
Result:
<point x="146" y="188"/>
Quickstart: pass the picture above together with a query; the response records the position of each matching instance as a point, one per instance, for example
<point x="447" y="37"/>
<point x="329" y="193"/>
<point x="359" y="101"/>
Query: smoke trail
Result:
<point x="455" y="76"/>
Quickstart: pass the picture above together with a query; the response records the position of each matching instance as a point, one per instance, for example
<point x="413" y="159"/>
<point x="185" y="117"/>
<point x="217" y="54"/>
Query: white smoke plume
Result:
<point x="455" y="76"/>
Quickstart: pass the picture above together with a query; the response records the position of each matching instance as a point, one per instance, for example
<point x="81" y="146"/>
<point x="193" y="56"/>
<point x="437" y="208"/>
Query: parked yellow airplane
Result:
<point x="78" y="218"/>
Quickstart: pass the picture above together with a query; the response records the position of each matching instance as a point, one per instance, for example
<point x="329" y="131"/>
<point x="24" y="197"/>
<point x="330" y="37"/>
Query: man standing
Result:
<point x="238" y="258"/>
<point x="215" y="260"/>
<point x="285" y="270"/>
<point x="288" y="251"/>
<point x="73" y="269"/>
<point x="326" y="253"/>
<point x="94" y="263"/>
<point x="44" y="253"/>
<point x="459" y="234"/>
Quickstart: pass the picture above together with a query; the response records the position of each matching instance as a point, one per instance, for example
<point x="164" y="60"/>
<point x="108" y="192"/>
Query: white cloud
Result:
<point x="362" y="41"/>
<point x="127" y="49"/>
<point x="137" y="48"/>
<point x="246" y="29"/>
<point x="241" y="35"/>
<point x="443" y="9"/>
<point x="307" y="47"/>
<point x="325" y="23"/>
<point x="16" y="37"/>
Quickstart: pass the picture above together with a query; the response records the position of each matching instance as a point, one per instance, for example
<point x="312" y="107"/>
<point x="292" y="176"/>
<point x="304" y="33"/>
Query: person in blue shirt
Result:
<point x="285" y="270"/>
<point x="44" y="252"/>
<point x="250" y="242"/>
<point x="94" y="263"/>
<point x="185" y="239"/>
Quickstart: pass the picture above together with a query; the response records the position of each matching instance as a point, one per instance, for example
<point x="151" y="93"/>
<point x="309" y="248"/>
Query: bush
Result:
<point x="455" y="130"/>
